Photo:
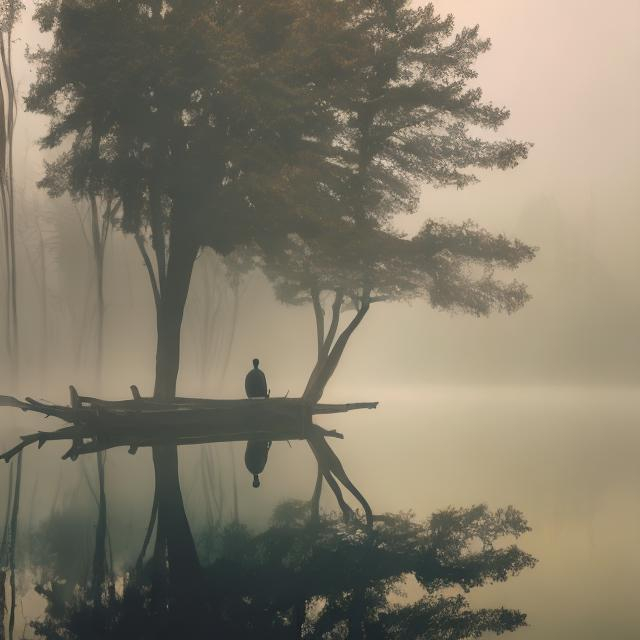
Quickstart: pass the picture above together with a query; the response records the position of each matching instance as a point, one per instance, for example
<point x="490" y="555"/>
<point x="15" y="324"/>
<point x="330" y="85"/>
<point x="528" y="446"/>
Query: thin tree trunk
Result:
<point x="8" y="117"/>
<point x="3" y="603"/>
<point x="315" y="498"/>
<point x="326" y="367"/>
<point x="12" y="545"/>
<point x="318" y="313"/>
<point x="45" y="308"/>
<point x="100" y="547"/>
<point x="234" y="478"/>
<point x="98" y="255"/>
<point x="7" y="255"/>
<point x="99" y="234"/>
<point x="3" y="550"/>
<point x="7" y="518"/>
<point x="147" y="536"/>
<point x="234" y="320"/>
<point x="324" y="347"/>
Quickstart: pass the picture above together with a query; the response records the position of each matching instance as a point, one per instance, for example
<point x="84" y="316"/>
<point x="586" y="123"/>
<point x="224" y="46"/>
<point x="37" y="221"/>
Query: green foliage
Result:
<point x="452" y="265"/>
<point x="261" y="118"/>
<point x="61" y="550"/>
<point x="291" y="129"/>
<point x="405" y="113"/>
<point x="408" y="106"/>
<point x="10" y="11"/>
<point x="209" y="109"/>
<point x="331" y="580"/>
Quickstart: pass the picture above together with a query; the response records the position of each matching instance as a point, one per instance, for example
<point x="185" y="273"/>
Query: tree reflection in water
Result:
<point x="322" y="579"/>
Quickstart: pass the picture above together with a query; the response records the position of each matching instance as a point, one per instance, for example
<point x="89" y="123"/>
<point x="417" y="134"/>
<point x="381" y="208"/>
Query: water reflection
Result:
<point x="566" y="457"/>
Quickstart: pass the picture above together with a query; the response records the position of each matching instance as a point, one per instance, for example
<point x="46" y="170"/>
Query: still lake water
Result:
<point x="567" y="457"/>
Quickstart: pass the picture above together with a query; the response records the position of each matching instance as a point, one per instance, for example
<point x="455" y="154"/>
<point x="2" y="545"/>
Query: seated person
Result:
<point x="255" y="455"/>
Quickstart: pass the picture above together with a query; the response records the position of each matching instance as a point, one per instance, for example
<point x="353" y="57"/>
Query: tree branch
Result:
<point x="336" y="308"/>
<point x="320" y="377"/>
<point x="318" y="312"/>
<point x="157" y="235"/>
<point x="147" y="263"/>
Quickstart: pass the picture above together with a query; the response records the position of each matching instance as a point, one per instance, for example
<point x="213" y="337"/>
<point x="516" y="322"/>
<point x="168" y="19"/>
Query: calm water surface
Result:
<point x="567" y="457"/>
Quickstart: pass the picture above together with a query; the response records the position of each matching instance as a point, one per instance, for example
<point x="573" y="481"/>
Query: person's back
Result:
<point x="255" y="383"/>
<point x="255" y="455"/>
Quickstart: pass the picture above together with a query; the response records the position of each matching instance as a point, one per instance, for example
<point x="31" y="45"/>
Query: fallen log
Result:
<point x="96" y="425"/>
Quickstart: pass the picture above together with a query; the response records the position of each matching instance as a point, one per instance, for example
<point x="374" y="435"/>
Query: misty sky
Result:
<point x="568" y="72"/>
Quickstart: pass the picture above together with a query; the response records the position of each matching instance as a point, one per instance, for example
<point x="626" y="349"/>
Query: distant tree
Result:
<point x="62" y="552"/>
<point x="8" y="546"/>
<point x="10" y="11"/>
<point x="334" y="580"/>
<point x="103" y="206"/>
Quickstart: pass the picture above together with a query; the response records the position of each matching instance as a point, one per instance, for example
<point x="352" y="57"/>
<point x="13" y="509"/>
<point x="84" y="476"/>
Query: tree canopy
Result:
<point x="452" y="265"/>
<point x="210" y="108"/>
<point x="407" y="116"/>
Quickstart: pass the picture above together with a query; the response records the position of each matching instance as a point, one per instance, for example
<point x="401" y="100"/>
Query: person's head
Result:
<point x="256" y="362"/>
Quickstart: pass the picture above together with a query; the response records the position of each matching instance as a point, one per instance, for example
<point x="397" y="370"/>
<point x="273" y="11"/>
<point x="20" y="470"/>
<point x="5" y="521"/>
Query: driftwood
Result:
<point x="95" y="425"/>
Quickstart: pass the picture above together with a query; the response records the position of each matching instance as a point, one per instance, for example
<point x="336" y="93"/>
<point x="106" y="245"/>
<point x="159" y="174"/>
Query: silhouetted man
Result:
<point x="255" y="384"/>
<point x="255" y="455"/>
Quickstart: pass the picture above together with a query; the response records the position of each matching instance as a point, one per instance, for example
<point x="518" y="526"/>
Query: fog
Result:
<point x="538" y="409"/>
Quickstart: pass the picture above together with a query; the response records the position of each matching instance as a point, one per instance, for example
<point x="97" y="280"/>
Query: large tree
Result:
<point x="225" y="123"/>
<point x="407" y="117"/>
<point x="205" y="119"/>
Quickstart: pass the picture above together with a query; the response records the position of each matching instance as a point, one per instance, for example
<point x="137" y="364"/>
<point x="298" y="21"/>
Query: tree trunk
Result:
<point x="98" y="255"/>
<point x="234" y="478"/>
<point x="13" y="535"/>
<point x="147" y="535"/>
<point x="329" y="355"/>
<point x="99" y="229"/>
<point x="3" y="605"/>
<point x="100" y="548"/>
<point x="3" y="553"/>
<point x="8" y="113"/>
<point x="234" y="319"/>
<point x="175" y="548"/>
<point x="326" y="366"/>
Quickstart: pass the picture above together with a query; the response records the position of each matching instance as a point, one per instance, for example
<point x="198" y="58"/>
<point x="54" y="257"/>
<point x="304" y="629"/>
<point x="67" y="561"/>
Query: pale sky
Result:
<point x="568" y="72"/>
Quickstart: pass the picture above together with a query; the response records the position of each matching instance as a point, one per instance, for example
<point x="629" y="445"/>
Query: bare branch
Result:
<point x="147" y="263"/>
<point x="336" y="308"/>
<point x="318" y="312"/>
